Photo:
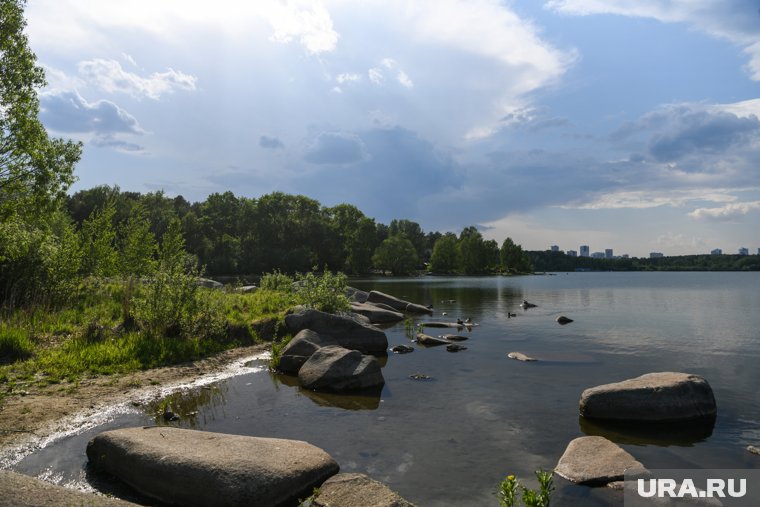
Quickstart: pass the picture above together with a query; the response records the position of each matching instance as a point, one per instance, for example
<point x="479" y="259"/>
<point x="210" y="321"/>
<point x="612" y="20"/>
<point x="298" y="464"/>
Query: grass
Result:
<point x="47" y="346"/>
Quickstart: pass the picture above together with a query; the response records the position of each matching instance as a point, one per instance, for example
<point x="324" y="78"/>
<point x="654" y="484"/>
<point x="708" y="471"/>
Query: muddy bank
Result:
<point x="34" y="416"/>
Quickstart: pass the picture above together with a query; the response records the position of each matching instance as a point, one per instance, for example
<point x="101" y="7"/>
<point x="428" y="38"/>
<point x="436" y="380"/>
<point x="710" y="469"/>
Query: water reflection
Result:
<point x="193" y="406"/>
<point x="368" y="399"/>
<point x="682" y="434"/>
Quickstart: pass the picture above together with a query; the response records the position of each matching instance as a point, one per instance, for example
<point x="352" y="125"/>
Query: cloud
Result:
<point x="111" y="77"/>
<point x="347" y="77"/>
<point x="404" y="79"/>
<point x="69" y="112"/>
<point x="309" y="22"/>
<point x="270" y="143"/>
<point x="338" y="148"/>
<point x="732" y="20"/>
<point x="729" y="213"/>
<point x="109" y="141"/>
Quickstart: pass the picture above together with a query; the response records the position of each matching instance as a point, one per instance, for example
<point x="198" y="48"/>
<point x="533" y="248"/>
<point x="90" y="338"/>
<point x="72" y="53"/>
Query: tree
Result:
<point x="397" y="255"/>
<point x="445" y="256"/>
<point x="35" y="170"/>
<point x="98" y="238"/>
<point x="513" y="258"/>
<point x="411" y="231"/>
<point x="472" y="255"/>
<point x="138" y="245"/>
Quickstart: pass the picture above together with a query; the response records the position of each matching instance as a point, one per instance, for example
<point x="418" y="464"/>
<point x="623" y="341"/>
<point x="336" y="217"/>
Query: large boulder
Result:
<point x="198" y="468"/>
<point x="338" y="369"/>
<point x="654" y="397"/>
<point x="376" y="314"/>
<point x="595" y="461"/>
<point x="18" y="490"/>
<point x="356" y="295"/>
<point x="357" y="490"/>
<point x="300" y="348"/>
<point x="349" y="332"/>
<point x="396" y="303"/>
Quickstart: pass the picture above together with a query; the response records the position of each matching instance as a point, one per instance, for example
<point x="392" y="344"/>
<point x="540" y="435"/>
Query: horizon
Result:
<point x="554" y="123"/>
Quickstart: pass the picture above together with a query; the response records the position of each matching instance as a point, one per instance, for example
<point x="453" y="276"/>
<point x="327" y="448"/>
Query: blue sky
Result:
<point x="625" y="124"/>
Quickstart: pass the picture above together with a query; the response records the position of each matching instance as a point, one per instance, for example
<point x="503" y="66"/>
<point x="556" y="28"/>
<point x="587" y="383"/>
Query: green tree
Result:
<point x="472" y="255"/>
<point x="98" y="238"/>
<point x="35" y="170"/>
<point x="397" y="255"/>
<point x="445" y="255"/>
<point x="513" y="258"/>
<point x="411" y="231"/>
<point x="138" y="245"/>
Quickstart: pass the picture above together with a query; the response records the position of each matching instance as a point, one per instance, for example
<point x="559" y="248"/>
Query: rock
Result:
<point x="520" y="357"/>
<point x="199" y="468"/>
<point x="348" y="332"/>
<point x="300" y="349"/>
<point x="402" y="349"/>
<point x="595" y="461"/>
<point x="420" y="376"/>
<point x="17" y="490"/>
<point x="753" y="449"/>
<point x="428" y="341"/>
<point x="375" y="314"/>
<point x="455" y="347"/>
<point x="396" y="303"/>
<point x="654" y="397"/>
<point x="458" y="325"/>
<point x="453" y="337"/>
<point x="246" y="289"/>
<point x="564" y="320"/>
<point x="209" y="283"/>
<point x="357" y="490"/>
<point x="356" y="295"/>
<point x="338" y="369"/>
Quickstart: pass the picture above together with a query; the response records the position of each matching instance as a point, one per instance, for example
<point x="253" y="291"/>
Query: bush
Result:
<point x="325" y="292"/>
<point x="277" y="281"/>
<point x="509" y="487"/>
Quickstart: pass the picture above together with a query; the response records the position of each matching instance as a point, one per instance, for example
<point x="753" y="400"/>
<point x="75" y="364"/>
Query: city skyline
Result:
<point x="633" y="124"/>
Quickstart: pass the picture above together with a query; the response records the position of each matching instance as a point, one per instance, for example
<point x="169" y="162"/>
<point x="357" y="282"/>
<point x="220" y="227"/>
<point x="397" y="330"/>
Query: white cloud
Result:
<point x="309" y="22"/>
<point x="730" y="212"/>
<point x="641" y="199"/>
<point x="404" y="79"/>
<point x="111" y="77"/>
<point x="347" y="77"/>
<point x="732" y="20"/>
<point x="376" y="75"/>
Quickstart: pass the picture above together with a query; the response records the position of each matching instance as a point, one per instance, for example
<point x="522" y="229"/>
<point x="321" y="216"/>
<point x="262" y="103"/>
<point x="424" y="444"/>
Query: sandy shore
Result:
<point x="31" y="416"/>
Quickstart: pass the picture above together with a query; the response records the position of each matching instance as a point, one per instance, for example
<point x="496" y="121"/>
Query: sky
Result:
<point x="624" y="124"/>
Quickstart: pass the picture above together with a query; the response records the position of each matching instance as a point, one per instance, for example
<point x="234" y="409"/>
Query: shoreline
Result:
<point x="32" y="420"/>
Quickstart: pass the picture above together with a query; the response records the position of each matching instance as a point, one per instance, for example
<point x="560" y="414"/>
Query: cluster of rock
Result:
<point x="198" y="468"/>
<point x="654" y="398"/>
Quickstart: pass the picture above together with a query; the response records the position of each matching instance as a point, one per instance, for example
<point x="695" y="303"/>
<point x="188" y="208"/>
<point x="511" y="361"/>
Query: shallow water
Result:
<point x="449" y="440"/>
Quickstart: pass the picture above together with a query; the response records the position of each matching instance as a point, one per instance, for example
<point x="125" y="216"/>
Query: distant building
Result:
<point x="656" y="255"/>
<point x="584" y="251"/>
<point x="626" y="256"/>
<point x="608" y="253"/>
<point x="597" y="255"/>
<point x="717" y="251"/>
<point x="573" y="253"/>
<point x="744" y="251"/>
<point x="554" y="248"/>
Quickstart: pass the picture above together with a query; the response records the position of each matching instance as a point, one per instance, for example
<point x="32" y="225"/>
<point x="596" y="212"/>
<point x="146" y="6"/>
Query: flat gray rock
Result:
<point x="595" y="461"/>
<point x="199" y="468"/>
<point x="300" y="349"/>
<point x="654" y="397"/>
<point x="338" y="369"/>
<point x="753" y="449"/>
<point x="453" y="337"/>
<point x="349" y="333"/>
<point x="519" y="356"/>
<point x="357" y="490"/>
<point x="357" y="295"/>
<point x="18" y="490"/>
<point x="396" y="303"/>
<point x="376" y="314"/>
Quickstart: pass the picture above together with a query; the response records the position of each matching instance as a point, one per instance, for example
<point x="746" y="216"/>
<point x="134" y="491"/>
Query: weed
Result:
<point x="509" y="487"/>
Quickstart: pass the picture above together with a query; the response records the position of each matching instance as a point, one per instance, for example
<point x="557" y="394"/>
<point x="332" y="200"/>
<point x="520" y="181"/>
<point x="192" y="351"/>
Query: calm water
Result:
<point x="449" y="440"/>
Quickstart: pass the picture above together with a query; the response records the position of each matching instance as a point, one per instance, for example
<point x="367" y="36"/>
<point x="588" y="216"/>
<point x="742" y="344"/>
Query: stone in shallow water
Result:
<point x="595" y="461"/>
<point x="300" y="348"/>
<point x="18" y="490"/>
<point x="199" y="468"/>
<point x="337" y="369"/>
<point x="429" y="341"/>
<point x="664" y="396"/>
<point x="376" y="314"/>
<point x="348" y="332"/>
<point x="753" y="449"/>
<point x="357" y="490"/>
<point x="519" y="356"/>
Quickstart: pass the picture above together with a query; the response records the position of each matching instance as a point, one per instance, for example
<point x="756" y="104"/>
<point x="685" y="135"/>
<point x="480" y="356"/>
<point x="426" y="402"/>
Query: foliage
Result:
<point x="138" y="246"/>
<point x="558" y="261"/>
<point x="397" y="255"/>
<point x="98" y="239"/>
<point x="14" y="344"/>
<point x="276" y="280"/>
<point x="325" y="292"/>
<point x="276" y="353"/>
<point x="445" y="258"/>
<point x="510" y="486"/>
<point x="34" y="169"/>
<point x="513" y="259"/>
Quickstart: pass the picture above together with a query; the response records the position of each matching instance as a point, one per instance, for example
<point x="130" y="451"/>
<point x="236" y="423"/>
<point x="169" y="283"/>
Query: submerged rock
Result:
<point x="428" y="341"/>
<point x="455" y="347"/>
<point x="348" y="332"/>
<point x="396" y="303"/>
<point x="519" y="356"/>
<point x="453" y="337"/>
<point x="200" y="468"/>
<point x="564" y="320"/>
<point x="420" y="376"/>
<point x="655" y="397"/>
<point x="595" y="461"/>
<point x="300" y="349"/>
<point x="357" y="490"/>
<point x="338" y="369"/>
<point x="402" y="349"/>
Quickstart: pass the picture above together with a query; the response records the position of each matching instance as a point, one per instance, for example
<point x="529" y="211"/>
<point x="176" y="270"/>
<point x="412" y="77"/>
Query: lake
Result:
<point x="450" y="440"/>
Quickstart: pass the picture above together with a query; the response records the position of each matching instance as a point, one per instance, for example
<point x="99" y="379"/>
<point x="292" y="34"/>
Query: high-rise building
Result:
<point x="572" y="253"/>
<point x="554" y="248"/>
<point x="744" y="251"/>
<point x="598" y="255"/>
<point x="585" y="251"/>
<point x="717" y="251"/>
<point x="608" y="253"/>
<point x="655" y="255"/>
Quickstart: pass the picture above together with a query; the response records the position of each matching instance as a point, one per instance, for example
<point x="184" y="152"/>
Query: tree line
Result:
<point x="558" y="261"/>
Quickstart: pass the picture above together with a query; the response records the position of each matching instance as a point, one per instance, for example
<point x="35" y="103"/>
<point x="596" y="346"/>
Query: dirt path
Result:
<point x="33" y="414"/>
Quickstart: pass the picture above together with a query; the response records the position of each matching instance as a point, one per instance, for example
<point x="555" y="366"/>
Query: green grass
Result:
<point x="14" y="344"/>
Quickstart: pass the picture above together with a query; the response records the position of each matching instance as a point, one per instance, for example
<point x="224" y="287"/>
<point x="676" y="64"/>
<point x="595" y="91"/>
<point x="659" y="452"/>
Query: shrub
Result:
<point x="277" y="281"/>
<point x="325" y="292"/>
<point x="509" y="487"/>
